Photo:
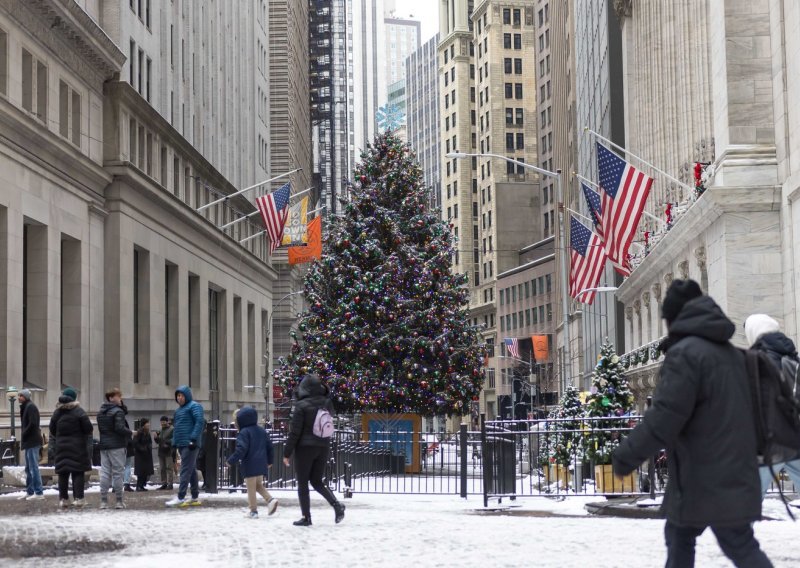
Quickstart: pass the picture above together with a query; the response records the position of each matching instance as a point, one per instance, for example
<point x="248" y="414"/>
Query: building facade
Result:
<point x="402" y="37"/>
<point x="120" y="121"/>
<point x="423" y="115"/>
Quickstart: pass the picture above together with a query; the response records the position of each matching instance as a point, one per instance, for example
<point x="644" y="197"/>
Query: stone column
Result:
<point x="647" y="327"/>
<point x="658" y="324"/>
<point x="11" y="227"/>
<point x="629" y="329"/>
<point x="741" y="63"/>
<point x="93" y="303"/>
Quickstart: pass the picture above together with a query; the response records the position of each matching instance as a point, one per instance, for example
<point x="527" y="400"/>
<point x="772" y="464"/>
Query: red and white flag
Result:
<point x="274" y="210"/>
<point x="588" y="260"/>
<point x="625" y="190"/>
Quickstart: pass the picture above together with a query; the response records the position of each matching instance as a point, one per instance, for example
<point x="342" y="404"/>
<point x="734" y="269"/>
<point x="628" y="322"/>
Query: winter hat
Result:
<point x="678" y="293"/>
<point x="26" y="393"/>
<point x="165" y="419"/>
<point x="70" y="393"/>
<point x="757" y="325"/>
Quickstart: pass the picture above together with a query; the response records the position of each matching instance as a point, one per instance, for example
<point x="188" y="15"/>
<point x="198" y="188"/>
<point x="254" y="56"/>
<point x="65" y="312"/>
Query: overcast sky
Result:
<point x="426" y="11"/>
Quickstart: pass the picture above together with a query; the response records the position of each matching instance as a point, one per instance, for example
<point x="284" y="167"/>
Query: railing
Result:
<point x="648" y="353"/>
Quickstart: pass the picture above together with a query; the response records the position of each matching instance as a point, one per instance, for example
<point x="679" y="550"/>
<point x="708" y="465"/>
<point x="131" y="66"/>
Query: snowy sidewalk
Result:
<point x="379" y="530"/>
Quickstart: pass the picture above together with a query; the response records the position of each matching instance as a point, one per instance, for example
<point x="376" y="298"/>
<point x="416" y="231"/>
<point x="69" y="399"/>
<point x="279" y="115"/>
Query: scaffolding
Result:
<point x="329" y="97"/>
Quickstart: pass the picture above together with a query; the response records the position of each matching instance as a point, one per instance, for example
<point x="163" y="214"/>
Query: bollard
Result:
<point x="211" y="441"/>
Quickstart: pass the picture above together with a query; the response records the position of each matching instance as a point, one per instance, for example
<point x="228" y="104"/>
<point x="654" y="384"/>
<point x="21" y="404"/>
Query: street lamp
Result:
<point x="597" y="289"/>
<point x="562" y="249"/>
<point x="268" y="379"/>
<point x="11" y="393"/>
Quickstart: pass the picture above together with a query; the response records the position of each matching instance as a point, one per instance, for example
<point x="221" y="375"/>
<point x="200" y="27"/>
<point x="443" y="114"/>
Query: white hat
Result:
<point x="757" y="325"/>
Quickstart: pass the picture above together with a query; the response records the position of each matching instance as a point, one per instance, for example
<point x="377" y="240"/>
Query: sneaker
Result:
<point x="252" y="514"/>
<point x="103" y="504"/>
<point x="79" y="503"/>
<point x="303" y="522"/>
<point x="176" y="502"/>
<point x="120" y="505"/>
<point x="194" y="502"/>
<point x="128" y="487"/>
<point x="271" y="506"/>
<point x="63" y="503"/>
<point x="39" y="497"/>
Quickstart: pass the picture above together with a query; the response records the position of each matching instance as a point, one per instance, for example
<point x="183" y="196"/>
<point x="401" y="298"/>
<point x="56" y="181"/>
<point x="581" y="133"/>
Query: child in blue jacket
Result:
<point x="254" y="451"/>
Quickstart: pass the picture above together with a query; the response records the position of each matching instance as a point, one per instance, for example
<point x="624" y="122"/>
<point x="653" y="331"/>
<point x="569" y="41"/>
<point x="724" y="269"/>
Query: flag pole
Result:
<point x="244" y="240"/>
<point x="240" y="219"/>
<point x="645" y="213"/>
<point x="645" y="162"/>
<point x="245" y="190"/>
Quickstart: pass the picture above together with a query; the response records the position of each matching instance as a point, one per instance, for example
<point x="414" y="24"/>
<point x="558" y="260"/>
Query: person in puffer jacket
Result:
<point x="114" y="437"/>
<point x="187" y="436"/>
<point x="254" y="450"/>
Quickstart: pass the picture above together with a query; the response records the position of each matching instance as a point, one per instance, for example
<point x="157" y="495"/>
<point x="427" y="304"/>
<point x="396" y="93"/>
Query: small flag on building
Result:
<point x="274" y="210"/>
<point x="512" y="346"/>
<point x="295" y="232"/>
<point x="588" y="260"/>
<point x="625" y="190"/>
<point x="312" y="251"/>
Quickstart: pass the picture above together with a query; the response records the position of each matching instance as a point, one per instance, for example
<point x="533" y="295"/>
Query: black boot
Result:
<point x="304" y="522"/>
<point x="128" y="487"/>
<point x="339" y="509"/>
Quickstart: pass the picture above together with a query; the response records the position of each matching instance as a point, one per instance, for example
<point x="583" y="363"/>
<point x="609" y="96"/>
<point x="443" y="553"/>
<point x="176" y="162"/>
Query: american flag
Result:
<point x="512" y="345"/>
<point x="274" y="210"/>
<point x="625" y="190"/>
<point x="588" y="260"/>
<point x="596" y="213"/>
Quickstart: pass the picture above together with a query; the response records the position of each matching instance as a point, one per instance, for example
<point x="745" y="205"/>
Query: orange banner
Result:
<point x="540" y="348"/>
<point x="313" y="250"/>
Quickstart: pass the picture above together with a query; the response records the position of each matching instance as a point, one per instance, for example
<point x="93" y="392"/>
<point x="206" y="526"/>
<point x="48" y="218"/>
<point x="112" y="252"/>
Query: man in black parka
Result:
<point x="703" y="415"/>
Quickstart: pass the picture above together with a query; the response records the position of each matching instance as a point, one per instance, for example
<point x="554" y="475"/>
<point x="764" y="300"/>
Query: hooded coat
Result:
<point x="143" y="453"/>
<point x="188" y="420"/>
<point x="70" y="425"/>
<point x="776" y="346"/>
<point x="703" y="415"/>
<point x="311" y="396"/>
<point x="253" y="446"/>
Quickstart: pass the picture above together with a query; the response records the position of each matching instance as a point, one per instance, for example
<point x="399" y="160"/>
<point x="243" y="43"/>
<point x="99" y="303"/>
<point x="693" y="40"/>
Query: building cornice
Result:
<point x="715" y="202"/>
<point x="523" y="267"/>
<point x="69" y="32"/>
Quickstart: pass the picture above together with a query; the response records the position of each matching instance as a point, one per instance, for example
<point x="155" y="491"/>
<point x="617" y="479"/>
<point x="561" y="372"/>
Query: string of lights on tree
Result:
<point x="387" y="326"/>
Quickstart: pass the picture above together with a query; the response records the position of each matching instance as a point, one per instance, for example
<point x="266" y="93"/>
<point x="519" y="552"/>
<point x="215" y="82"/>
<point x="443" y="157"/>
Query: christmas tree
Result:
<point x="387" y="325"/>
<point x="610" y="397"/>
<point x="564" y="445"/>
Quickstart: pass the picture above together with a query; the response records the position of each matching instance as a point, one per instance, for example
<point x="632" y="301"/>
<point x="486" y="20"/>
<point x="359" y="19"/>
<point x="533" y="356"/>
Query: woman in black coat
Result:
<point x="310" y="451"/>
<point x="143" y="455"/>
<point x="72" y="428"/>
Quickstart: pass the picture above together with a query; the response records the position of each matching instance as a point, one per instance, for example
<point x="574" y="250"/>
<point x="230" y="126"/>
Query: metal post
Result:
<point x="487" y="474"/>
<point x="245" y="190"/>
<point x="567" y="378"/>
<point x="462" y="432"/>
<point x="212" y="447"/>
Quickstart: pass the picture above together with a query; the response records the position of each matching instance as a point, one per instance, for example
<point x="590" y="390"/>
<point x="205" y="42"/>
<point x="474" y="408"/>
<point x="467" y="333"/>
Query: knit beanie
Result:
<point x="70" y="393"/>
<point x="757" y="325"/>
<point x="26" y="393"/>
<point x="678" y="293"/>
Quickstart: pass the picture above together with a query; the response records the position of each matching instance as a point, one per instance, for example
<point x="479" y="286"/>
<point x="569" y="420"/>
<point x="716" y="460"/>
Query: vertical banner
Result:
<point x="299" y="255"/>
<point x="540" y="348"/>
<point x="295" y="232"/>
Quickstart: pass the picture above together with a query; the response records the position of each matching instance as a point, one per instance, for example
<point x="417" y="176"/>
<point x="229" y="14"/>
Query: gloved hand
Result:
<point x="192" y="445"/>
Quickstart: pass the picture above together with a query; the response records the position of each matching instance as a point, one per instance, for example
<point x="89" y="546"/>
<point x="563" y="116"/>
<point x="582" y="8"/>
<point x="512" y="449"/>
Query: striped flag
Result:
<point x="596" y="213"/>
<point x="274" y="210"/>
<point x="625" y="190"/>
<point x="588" y="260"/>
<point x="512" y="346"/>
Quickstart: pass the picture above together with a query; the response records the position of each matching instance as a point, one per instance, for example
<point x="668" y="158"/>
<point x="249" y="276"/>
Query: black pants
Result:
<point x="738" y="543"/>
<point x="141" y="481"/>
<point x="77" y="484"/>
<point x="309" y="465"/>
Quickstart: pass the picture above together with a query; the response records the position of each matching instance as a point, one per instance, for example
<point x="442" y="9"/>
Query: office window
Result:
<point x="507" y="15"/>
<point x="520" y="115"/>
<point x="518" y="66"/>
<point x="509" y="144"/>
<point x="520" y="141"/>
<point x="517" y="41"/>
<point x="509" y="116"/>
<point x="509" y="91"/>
<point x="507" y="65"/>
<point x="518" y="90"/>
<point x="516" y="17"/>
<point x="507" y="41"/>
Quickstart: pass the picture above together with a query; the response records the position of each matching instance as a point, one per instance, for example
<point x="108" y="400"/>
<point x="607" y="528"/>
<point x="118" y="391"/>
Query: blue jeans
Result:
<point x="188" y="472"/>
<point x="792" y="468"/>
<point x="128" y="467"/>
<point x="33" y="479"/>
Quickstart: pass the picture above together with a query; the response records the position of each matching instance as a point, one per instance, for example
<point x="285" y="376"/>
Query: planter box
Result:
<point x="606" y="482"/>
<point x="559" y="473"/>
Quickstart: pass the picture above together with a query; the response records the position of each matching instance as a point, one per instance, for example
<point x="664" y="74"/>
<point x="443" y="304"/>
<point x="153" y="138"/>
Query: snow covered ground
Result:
<point x="379" y="530"/>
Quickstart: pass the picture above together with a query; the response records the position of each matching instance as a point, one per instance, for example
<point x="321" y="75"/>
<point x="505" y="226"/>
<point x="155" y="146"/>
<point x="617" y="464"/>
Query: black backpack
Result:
<point x="789" y="368"/>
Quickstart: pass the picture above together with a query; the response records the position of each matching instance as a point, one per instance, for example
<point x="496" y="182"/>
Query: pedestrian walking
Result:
<point x="71" y="426"/>
<point x="310" y="450"/>
<point x="143" y="455"/>
<point x="114" y="438"/>
<point x="702" y="413"/>
<point x="31" y="443"/>
<point x="187" y="436"/>
<point x="763" y="334"/>
<point x="255" y="452"/>
<point x="166" y="463"/>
